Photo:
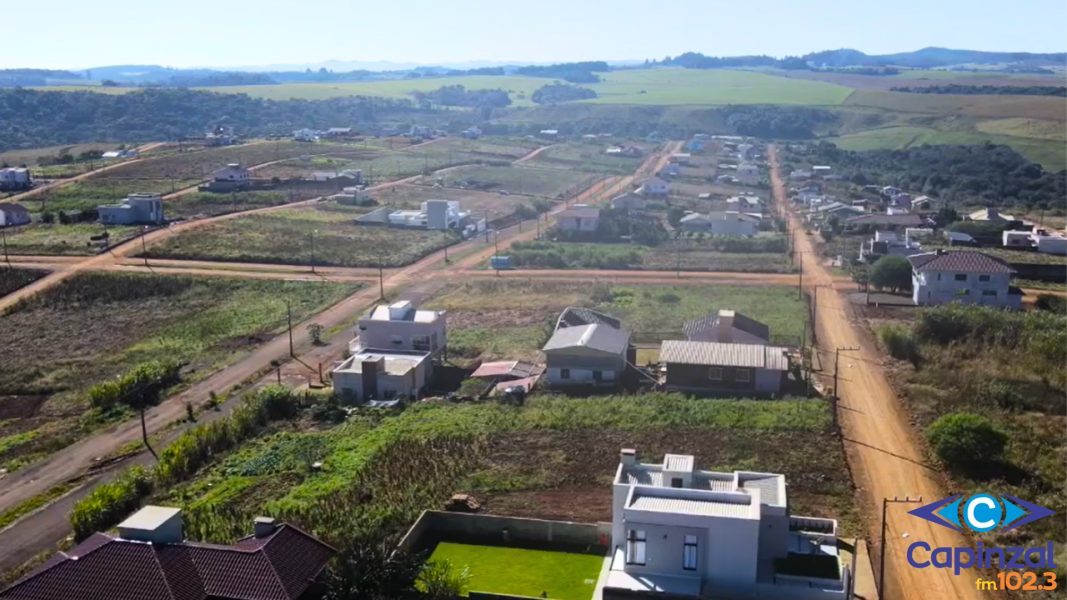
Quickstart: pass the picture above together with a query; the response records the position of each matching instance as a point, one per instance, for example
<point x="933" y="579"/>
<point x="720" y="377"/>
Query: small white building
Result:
<point x="654" y="186"/>
<point x="629" y="201"/>
<point x="15" y="178"/>
<point x="799" y="175"/>
<point x="579" y="217"/>
<point x="371" y="375"/>
<point x="1016" y="239"/>
<point x="13" y="214"/>
<point x="681" y="158"/>
<point x="744" y="203"/>
<point x="729" y="223"/>
<point x="232" y="173"/>
<point x="400" y="326"/>
<point x="305" y="135"/>
<point x="1049" y="244"/>
<point x="964" y="276"/>
<point x="681" y="532"/>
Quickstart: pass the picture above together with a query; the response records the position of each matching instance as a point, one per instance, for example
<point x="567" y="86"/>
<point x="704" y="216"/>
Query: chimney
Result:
<point x="628" y="457"/>
<point x="263" y="526"/>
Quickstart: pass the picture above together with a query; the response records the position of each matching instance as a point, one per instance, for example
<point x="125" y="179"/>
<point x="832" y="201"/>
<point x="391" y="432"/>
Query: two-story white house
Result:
<point x="681" y="532"/>
<point x="965" y="276"/>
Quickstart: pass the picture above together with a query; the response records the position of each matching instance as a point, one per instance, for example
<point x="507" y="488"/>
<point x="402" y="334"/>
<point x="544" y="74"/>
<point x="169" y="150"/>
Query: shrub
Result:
<point x="892" y="272"/>
<point x="139" y="385"/>
<point x="110" y="502"/>
<point x="1051" y="303"/>
<point x="438" y="580"/>
<point x="966" y="439"/>
<point x="900" y="343"/>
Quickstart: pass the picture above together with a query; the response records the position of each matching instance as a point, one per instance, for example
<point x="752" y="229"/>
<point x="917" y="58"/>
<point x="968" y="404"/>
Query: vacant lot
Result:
<point x="106" y="189"/>
<point x="492" y="205"/>
<point x="513" y="319"/>
<point x="12" y="279"/>
<point x="74" y="239"/>
<point x="96" y="326"/>
<point x="585" y="156"/>
<point x="549" y="183"/>
<point x="287" y="236"/>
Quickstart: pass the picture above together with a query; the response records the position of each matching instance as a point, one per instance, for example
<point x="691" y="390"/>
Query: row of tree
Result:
<point x="956" y="88"/>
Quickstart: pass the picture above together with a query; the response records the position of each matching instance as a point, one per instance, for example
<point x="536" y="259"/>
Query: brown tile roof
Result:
<point x="964" y="261"/>
<point x="280" y="566"/>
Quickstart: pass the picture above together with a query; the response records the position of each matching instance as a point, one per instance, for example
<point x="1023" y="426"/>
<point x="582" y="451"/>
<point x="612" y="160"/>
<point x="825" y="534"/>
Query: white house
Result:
<point x="579" y="217"/>
<point x="587" y="348"/>
<point x="1016" y="239"/>
<point x="629" y="201"/>
<point x="965" y="276"/>
<point x="799" y="175"/>
<point x="681" y="158"/>
<point x="654" y="186"/>
<point x="136" y="209"/>
<point x="305" y="135"/>
<point x="1049" y="244"/>
<point x="744" y="203"/>
<point x="15" y="178"/>
<point x="820" y="170"/>
<point x="232" y="173"/>
<point x="434" y="214"/>
<point x="729" y="222"/>
<point x="681" y="532"/>
<point x="400" y="326"/>
<point x="12" y="214"/>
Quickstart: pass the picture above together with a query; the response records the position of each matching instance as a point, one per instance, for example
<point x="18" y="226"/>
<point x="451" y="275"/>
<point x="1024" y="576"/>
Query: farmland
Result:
<point x="512" y="319"/>
<point x="12" y="279"/>
<point x="286" y="236"/>
<point x="686" y="255"/>
<point x="522" y="180"/>
<point x="95" y="326"/>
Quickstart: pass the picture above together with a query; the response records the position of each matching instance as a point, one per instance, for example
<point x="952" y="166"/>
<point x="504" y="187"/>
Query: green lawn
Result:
<point x="536" y="573"/>
<point x="56" y="238"/>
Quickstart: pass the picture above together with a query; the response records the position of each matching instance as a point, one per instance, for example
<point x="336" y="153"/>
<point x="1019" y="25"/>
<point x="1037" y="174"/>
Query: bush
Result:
<point x="892" y="272"/>
<point x="900" y="343"/>
<point x="1051" y="303"/>
<point x="110" y="502"/>
<point x="142" y="384"/>
<point x="439" y="580"/>
<point x="966" y="439"/>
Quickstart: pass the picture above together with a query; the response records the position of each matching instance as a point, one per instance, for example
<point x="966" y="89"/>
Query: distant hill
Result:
<point x="933" y="57"/>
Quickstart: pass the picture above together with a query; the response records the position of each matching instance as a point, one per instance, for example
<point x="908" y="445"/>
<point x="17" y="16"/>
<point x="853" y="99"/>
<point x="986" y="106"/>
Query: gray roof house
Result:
<point x="716" y="368"/>
<point x="579" y="218"/>
<point x="680" y="532"/>
<point x="727" y="327"/>
<point x="12" y="214"/>
<point x="586" y="354"/>
<point x="137" y="209"/>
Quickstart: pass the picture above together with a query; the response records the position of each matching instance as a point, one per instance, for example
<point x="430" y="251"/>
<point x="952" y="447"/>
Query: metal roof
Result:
<point x="581" y="212"/>
<point x="964" y="261"/>
<point x="724" y="355"/>
<point x="768" y="484"/>
<point x="598" y="337"/>
<point x="678" y="462"/>
<point x="705" y="507"/>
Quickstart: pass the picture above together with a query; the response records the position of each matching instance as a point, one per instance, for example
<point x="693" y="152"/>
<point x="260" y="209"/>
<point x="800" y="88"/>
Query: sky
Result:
<point x="220" y="33"/>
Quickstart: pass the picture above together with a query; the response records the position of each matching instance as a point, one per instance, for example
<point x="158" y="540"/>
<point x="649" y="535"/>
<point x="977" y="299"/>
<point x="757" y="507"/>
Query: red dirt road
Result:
<point x="885" y="457"/>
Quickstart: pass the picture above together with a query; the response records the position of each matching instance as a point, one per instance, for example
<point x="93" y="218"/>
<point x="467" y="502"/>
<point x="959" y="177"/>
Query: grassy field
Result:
<point x="584" y="156"/>
<point x="13" y="279"/>
<point x="662" y="86"/>
<point x="512" y="319"/>
<point x="96" y="326"/>
<point x="562" y="575"/>
<point x="521" y="180"/>
<point x="285" y="237"/>
<point x="985" y="106"/>
<point x="96" y="191"/>
<point x="65" y="240"/>
<point x="33" y="156"/>
<point x="491" y="205"/>
<point x="694" y="255"/>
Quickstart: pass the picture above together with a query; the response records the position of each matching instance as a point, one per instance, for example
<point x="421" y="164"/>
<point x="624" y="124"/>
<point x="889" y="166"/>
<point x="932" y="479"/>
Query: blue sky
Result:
<point x="182" y="33"/>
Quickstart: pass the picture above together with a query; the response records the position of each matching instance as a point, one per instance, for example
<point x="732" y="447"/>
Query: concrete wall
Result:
<point x="400" y="335"/>
<point x="439" y="526"/>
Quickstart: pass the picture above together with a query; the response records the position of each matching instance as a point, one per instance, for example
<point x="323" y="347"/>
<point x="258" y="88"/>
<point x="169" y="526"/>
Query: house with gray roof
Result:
<point x="579" y="217"/>
<point x="965" y="276"/>
<point x="717" y="368"/>
<point x="591" y="353"/>
<point x="727" y="327"/>
<point x="681" y="532"/>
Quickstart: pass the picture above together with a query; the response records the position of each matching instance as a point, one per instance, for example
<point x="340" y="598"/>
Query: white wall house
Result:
<point x="654" y="186"/>
<point x="12" y="214"/>
<point x="579" y="218"/>
<point x="733" y="223"/>
<point x="400" y="326"/>
<point x="748" y="173"/>
<point x="136" y="209"/>
<point x="232" y="173"/>
<point x="682" y="532"/>
<point x="966" y="276"/>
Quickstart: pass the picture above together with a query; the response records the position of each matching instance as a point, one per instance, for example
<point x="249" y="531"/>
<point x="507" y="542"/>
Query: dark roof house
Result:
<point x="964" y="261"/>
<point x="150" y="560"/>
<point x="574" y="316"/>
<point x="726" y="326"/>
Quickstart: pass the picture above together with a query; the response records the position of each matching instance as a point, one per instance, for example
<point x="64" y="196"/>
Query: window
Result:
<point x="598" y="376"/>
<point x="961" y="277"/>
<point x="742" y="375"/>
<point x="635" y="547"/>
<point x="420" y="342"/>
<point x="676" y="482"/>
<point x="397" y="340"/>
<point x="715" y="373"/>
<point x="564" y="373"/>
<point x="983" y="278"/>
<point x="689" y="553"/>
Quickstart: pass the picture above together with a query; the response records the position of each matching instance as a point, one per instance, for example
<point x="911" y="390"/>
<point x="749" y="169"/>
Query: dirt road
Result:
<point x="883" y="452"/>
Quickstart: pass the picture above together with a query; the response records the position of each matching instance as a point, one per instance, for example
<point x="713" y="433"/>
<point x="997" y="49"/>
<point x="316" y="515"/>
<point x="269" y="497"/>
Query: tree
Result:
<point x="893" y="272"/>
<point x="371" y="570"/>
<point x="966" y="439"/>
<point x="138" y="389"/>
<point x="315" y="331"/>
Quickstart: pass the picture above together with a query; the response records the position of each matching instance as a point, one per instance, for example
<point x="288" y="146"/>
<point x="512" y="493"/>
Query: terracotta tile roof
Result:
<point x="964" y="261"/>
<point x="280" y="566"/>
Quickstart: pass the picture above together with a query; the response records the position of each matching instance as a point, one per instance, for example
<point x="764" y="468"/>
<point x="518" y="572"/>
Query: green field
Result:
<point x="286" y="236"/>
<point x="95" y="326"/>
<point x="522" y="180"/>
<point x="65" y="240"/>
<point x="13" y="279"/>
<point x="663" y="86"/>
<point x="534" y="573"/>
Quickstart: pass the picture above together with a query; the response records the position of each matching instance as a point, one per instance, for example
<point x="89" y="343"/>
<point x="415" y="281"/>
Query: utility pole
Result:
<point x="313" y="232"/>
<point x="144" y="247"/>
<point x="381" y="279"/>
<point x="3" y="236"/>
<point x="881" y="541"/>
<point x="289" y="320"/>
<point x="800" y="281"/>
<point x="446" y="246"/>
<point x="835" y="397"/>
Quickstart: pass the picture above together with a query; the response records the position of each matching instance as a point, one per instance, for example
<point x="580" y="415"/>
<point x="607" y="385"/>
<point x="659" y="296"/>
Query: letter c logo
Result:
<point x="982" y="512"/>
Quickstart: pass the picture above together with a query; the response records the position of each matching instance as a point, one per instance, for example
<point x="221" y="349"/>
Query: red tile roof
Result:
<point x="964" y="261"/>
<point x="280" y="566"/>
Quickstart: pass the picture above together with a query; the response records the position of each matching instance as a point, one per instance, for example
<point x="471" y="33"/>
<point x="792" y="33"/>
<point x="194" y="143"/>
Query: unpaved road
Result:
<point x="883" y="452"/>
<point x="40" y="531"/>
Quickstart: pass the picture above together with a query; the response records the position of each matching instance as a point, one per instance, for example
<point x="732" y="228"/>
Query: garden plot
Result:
<point x="96" y="326"/>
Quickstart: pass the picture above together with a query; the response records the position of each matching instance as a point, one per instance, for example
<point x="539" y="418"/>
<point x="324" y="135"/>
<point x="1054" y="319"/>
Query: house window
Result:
<point x="715" y="373"/>
<point x="676" y="482"/>
<point x="742" y="375"/>
<point x="635" y="547"/>
<point x="421" y="343"/>
<point x="598" y="376"/>
<point x="564" y="373"/>
<point x="689" y="553"/>
<point x="961" y="277"/>
<point x="983" y="278"/>
<point x="397" y="340"/>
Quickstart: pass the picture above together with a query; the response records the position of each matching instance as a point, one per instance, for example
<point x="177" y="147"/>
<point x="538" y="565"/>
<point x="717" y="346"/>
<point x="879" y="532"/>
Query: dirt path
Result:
<point x="885" y="457"/>
<point x="37" y="532"/>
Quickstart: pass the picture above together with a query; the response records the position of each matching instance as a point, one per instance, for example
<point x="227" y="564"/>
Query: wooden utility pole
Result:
<point x="381" y="279"/>
<point x="144" y="247"/>
<point x="313" y="231"/>
<point x="835" y="397"/>
<point x="289" y="320"/>
<point x="881" y="541"/>
<point x="3" y="236"/>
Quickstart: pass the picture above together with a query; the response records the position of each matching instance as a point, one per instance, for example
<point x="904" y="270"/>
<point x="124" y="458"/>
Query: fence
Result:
<point x="439" y="526"/>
